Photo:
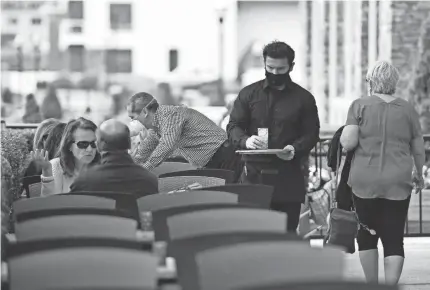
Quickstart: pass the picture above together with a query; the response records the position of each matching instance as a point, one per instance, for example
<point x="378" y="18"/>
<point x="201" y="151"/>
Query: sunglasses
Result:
<point x="85" y="144"/>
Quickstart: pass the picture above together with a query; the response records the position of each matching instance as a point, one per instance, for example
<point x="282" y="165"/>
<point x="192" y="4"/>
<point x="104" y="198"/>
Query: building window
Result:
<point x="7" y="39"/>
<point x="36" y="21"/>
<point x="120" y="16"/>
<point x="76" y="9"/>
<point x="13" y="21"/>
<point x="173" y="59"/>
<point x="118" y="61"/>
<point x="77" y="58"/>
<point x="76" y="29"/>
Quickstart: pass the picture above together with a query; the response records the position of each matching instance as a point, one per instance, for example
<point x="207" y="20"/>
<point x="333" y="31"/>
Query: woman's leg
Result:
<point x="367" y="211"/>
<point x="393" y="267"/>
<point x="369" y="262"/>
<point x="393" y="219"/>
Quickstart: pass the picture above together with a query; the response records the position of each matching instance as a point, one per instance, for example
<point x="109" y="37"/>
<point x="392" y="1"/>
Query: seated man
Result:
<point x="181" y="130"/>
<point x="117" y="170"/>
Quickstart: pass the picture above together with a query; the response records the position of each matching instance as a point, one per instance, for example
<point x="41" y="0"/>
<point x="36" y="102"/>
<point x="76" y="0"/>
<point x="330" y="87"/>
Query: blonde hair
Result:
<point x="383" y="78"/>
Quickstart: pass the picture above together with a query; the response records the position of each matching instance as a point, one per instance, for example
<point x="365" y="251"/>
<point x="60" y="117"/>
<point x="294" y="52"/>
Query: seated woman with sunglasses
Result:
<point x="77" y="152"/>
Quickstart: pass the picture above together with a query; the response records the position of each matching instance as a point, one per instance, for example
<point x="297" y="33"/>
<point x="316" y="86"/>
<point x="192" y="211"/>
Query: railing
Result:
<point x="418" y="223"/>
<point x="18" y="125"/>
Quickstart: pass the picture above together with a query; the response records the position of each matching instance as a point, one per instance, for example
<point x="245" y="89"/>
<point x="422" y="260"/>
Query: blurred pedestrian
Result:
<point x="51" y="107"/>
<point x="164" y="95"/>
<point x="32" y="110"/>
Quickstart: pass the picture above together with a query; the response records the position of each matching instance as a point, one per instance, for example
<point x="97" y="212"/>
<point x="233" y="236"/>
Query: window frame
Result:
<point x="117" y="25"/>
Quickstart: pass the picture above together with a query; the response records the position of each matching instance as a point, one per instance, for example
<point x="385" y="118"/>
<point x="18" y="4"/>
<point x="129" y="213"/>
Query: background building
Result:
<point x="206" y="49"/>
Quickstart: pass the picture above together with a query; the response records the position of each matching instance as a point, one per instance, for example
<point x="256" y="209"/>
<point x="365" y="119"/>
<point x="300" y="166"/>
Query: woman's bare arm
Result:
<point x="418" y="153"/>
<point x="349" y="137"/>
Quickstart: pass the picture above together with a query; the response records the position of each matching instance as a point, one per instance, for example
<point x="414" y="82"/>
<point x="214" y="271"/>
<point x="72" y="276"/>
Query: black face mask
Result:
<point x="278" y="79"/>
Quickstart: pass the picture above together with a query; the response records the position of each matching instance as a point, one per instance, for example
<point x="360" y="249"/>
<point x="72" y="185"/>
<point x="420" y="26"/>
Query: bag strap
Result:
<point x="338" y="162"/>
<point x="336" y="179"/>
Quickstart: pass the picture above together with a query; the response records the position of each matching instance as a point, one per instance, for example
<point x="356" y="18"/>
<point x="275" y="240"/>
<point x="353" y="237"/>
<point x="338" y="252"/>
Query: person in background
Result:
<point x="52" y="143"/>
<point x="138" y="133"/>
<point x="77" y="152"/>
<point x="42" y="132"/>
<point x="290" y="115"/>
<point x="39" y="140"/>
<point x="164" y="95"/>
<point x="32" y="111"/>
<point x="226" y="117"/>
<point x="198" y="139"/>
<point x="117" y="170"/>
<point x="384" y="133"/>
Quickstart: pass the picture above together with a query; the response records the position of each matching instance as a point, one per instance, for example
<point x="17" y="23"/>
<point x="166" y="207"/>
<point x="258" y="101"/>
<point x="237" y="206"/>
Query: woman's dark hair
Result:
<point x="279" y="49"/>
<point x="67" y="160"/>
<point x="52" y="143"/>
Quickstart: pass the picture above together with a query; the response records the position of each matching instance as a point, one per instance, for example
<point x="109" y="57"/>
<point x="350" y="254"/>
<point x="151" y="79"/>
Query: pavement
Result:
<point x="416" y="270"/>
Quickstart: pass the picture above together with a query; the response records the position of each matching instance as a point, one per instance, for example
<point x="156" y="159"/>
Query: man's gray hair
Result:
<point x="142" y="100"/>
<point x="383" y="78"/>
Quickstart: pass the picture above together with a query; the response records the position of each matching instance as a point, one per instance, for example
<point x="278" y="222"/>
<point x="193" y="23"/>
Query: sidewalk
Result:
<point x="416" y="271"/>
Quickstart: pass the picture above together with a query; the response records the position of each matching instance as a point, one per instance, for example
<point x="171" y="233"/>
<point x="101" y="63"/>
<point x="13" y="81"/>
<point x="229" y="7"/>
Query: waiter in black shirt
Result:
<point x="290" y="115"/>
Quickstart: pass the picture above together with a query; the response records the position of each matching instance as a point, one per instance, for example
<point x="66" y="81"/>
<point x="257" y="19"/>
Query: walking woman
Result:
<point x="384" y="132"/>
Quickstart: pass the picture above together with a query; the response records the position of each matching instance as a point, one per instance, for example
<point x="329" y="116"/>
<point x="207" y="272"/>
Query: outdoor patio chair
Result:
<point x="185" y="250"/>
<point x="159" y="217"/>
<point x="160" y="201"/>
<point x="71" y="211"/>
<point x="123" y="200"/>
<point x="168" y="167"/>
<point x="27" y="247"/>
<point x="233" y="220"/>
<point x="83" y="225"/>
<point x="84" y="268"/>
<point x="260" y="263"/>
<point x="169" y="184"/>
<point x="59" y="201"/>
<point x="227" y="175"/>
<point x="335" y="285"/>
<point x="257" y="194"/>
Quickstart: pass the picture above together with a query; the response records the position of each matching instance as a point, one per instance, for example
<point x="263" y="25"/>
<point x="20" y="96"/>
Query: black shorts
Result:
<point x="387" y="218"/>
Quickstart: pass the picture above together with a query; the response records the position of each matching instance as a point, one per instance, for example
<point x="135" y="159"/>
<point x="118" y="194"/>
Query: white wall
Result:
<point x="266" y="21"/>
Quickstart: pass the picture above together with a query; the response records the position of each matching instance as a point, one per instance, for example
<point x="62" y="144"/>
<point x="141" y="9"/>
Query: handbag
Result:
<point x="343" y="225"/>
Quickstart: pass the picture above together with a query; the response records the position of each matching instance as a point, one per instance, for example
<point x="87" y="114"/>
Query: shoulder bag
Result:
<point x="343" y="225"/>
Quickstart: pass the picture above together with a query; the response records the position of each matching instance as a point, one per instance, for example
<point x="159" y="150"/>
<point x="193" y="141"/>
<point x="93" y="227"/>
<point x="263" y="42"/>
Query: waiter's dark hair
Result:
<point x="278" y="49"/>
